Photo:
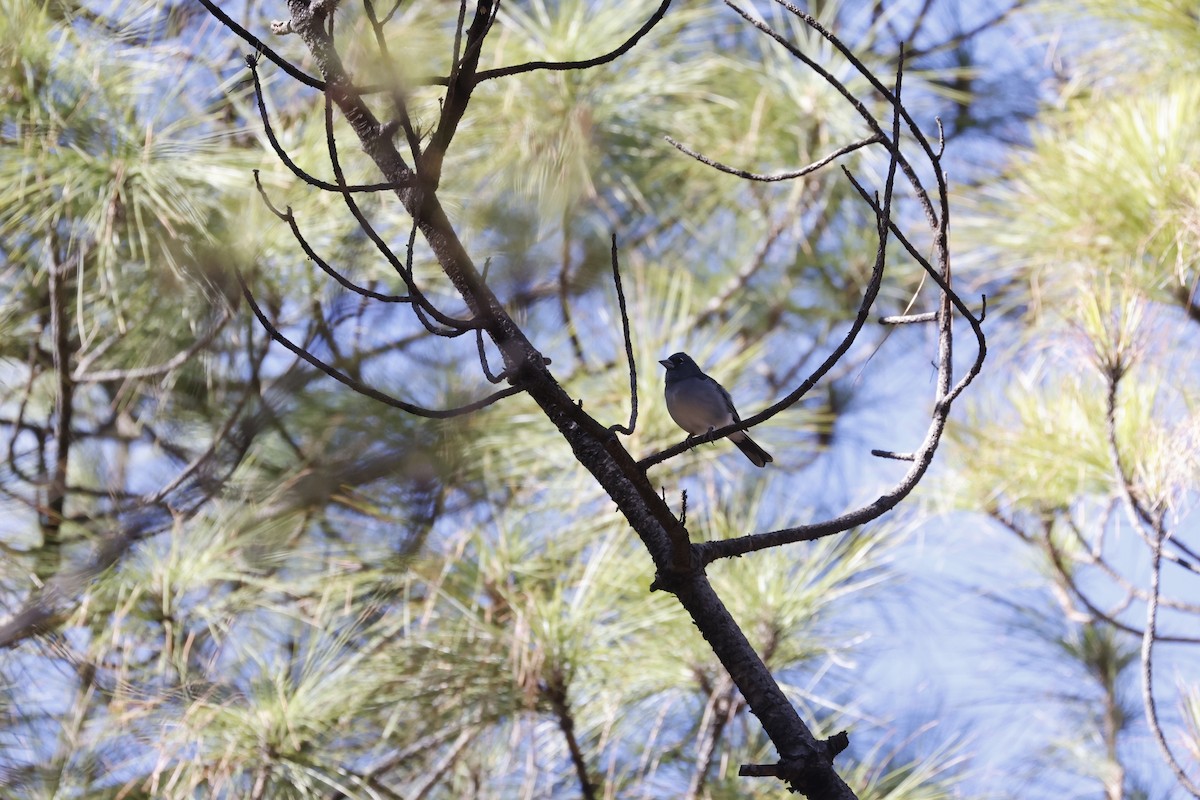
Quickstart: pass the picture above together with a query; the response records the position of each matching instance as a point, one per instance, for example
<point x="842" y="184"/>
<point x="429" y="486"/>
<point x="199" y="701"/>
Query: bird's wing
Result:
<point x="728" y="399"/>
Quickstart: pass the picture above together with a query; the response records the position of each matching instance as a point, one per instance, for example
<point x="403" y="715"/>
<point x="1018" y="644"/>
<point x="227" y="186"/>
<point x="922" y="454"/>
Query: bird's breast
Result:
<point x="697" y="406"/>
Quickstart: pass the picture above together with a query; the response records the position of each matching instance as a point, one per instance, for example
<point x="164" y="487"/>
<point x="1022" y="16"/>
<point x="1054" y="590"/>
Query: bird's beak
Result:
<point x="666" y="363"/>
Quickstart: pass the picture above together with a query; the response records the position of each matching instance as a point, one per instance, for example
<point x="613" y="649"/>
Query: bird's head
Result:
<point x="680" y="365"/>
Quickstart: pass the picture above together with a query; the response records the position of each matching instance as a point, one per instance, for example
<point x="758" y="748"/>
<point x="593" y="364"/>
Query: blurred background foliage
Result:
<point x="318" y="596"/>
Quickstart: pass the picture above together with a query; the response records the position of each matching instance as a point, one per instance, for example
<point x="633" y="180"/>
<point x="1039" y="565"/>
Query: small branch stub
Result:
<point x="795" y="773"/>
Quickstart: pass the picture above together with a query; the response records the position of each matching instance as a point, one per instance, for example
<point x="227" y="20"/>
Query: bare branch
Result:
<point x="718" y="711"/>
<point x="1141" y="519"/>
<point x="308" y="178"/>
<point x="564" y="286"/>
<point x="398" y="99"/>
<point x="613" y="55"/>
<point x="418" y="299"/>
<point x="260" y="47"/>
<point x="483" y="360"/>
<point x="1093" y="556"/>
<point x="781" y="176"/>
<point x="1147" y="655"/>
<point x="860" y="318"/>
<point x="923" y="456"/>
<point x="555" y="691"/>
<point x="1072" y="585"/>
<point x="64" y="406"/>
<point x="458" y="92"/>
<point x="290" y="218"/>
<point x="358" y="386"/>
<point x="891" y="143"/>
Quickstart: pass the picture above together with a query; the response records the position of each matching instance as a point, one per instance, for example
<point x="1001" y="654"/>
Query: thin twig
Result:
<point x="1141" y="519"/>
<point x="64" y="405"/>
<point x="1072" y="585"/>
<point x="483" y="360"/>
<point x="418" y="298"/>
<point x="612" y="55"/>
<point x="307" y="177"/>
<point x="290" y="218"/>
<point x="398" y="99"/>
<point x="1147" y="655"/>
<point x="892" y="144"/>
<point x="564" y="286"/>
<point x="361" y="388"/>
<point x="718" y="711"/>
<point x="261" y="48"/>
<point x="922" y="457"/>
<point x="633" y="395"/>
<point x="781" y="176"/>
<point x="967" y="35"/>
<point x="1095" y="558"/>
<point x="458" y="91"/>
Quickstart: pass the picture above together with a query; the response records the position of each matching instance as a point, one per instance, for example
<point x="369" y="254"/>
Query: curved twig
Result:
<point x="1069" y="582"/>
<point x="633" y="397"/>
<point x="290" y="218"/>
<point x="781" y="176"/>
<point x="311" y="180"/>
<point x="1140" y="517"/>
<point x="358" y="386"/>
<point x="1147" y="655"/>
<point x="891" y="143"/>
<point x="923" y="456"/>
<point x="418" y="298"/>
<point x="626" y="46"/>
<point x="260" y="47"/>
<point x="1095" y="558"/>
<point x="398" y="100"/>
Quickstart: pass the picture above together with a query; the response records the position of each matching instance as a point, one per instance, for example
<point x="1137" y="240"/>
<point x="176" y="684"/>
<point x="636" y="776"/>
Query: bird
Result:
<point x="699" y="405"/>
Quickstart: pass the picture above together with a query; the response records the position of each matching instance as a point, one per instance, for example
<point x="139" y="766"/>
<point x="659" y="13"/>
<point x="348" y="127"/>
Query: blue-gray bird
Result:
<point x="699" y="404"/>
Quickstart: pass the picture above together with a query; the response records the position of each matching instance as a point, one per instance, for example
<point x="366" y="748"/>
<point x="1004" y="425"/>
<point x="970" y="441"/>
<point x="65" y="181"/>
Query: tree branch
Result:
<point x="780" y="176"/>
<point x="311" y="180"/>
<point x="1147" y="655"/>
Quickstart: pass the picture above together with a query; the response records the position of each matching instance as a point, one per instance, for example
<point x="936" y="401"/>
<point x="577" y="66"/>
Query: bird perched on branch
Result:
<point x="699" y="405"/>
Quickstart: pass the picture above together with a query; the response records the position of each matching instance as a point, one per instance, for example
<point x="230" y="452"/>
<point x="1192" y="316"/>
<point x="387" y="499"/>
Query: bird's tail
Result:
<point x="752" y="451"/>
